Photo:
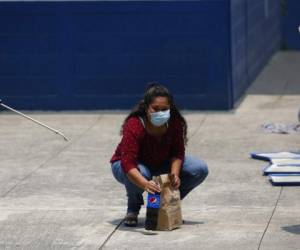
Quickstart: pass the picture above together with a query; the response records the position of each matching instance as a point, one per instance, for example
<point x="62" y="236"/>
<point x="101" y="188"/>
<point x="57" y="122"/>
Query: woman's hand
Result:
<point x="175" y="171"/>
<point x="175" y="180"/>
<point x="151" y="187"/>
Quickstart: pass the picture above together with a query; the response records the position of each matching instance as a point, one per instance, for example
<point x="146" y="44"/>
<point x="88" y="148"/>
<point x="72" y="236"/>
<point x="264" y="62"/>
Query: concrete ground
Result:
<point x="61" y="195"/>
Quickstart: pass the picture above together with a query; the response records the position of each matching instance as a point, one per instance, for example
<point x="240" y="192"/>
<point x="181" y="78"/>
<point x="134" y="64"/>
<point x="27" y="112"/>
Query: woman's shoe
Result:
<point x="131" y="220"/>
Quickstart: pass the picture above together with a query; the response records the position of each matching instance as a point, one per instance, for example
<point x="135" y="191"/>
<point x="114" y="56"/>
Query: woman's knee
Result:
<point x="121" y="176"/>
<point x="118" y="172"/>
<point x="201" y="171"/>
<point x="203" y="168"/>
<point x="195" y="167"/>
<point x="145" y="172"/>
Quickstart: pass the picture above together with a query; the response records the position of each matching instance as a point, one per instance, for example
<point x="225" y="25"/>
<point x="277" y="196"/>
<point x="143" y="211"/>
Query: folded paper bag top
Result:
<point x="169" y="212"/>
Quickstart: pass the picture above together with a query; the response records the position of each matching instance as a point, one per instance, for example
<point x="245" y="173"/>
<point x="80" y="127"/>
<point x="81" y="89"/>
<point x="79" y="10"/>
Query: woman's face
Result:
<point x="160" y="103"/>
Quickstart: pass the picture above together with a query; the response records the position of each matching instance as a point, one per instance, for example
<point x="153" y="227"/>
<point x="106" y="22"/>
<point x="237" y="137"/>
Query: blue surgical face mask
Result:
<point x="160" y="118"/>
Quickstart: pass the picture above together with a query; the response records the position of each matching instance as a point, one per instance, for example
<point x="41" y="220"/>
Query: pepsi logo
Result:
<point x="152" y="200"/>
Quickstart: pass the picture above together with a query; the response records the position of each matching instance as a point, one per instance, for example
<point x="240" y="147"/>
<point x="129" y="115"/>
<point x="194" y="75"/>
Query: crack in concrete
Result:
<point x="110" y="235"/>
<point x="271" y="217"/>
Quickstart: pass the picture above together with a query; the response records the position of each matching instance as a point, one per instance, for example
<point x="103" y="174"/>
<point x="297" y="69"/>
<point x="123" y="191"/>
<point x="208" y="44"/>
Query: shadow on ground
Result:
<point x="295" y="229"/>
<point x="140" y="227"/>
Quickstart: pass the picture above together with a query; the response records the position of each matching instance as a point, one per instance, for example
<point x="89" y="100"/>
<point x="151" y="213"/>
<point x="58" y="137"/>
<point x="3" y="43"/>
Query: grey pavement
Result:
<point x="61" y="195"/>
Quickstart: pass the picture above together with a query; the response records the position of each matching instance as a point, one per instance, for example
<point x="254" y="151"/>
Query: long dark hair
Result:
<point x="153" y="90"/>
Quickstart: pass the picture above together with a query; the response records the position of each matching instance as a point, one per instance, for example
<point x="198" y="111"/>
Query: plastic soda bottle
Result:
<point x="153" y="205"/>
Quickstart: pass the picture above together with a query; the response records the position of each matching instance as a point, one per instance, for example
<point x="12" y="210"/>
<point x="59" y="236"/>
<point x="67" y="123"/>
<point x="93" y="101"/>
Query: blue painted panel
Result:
<point x="91" y="55"/>
<point x="255" y="36"/>
<point x="28" y="62"/>
<point x="291" y="24"/>
<point x="266" y="26"/>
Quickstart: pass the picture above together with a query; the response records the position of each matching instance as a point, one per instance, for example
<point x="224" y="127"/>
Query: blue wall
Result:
<point x="100" y="55"/>
<point x="62" y="55"/>
<point x="291" y="24"/>
<point x="256" y="35"/>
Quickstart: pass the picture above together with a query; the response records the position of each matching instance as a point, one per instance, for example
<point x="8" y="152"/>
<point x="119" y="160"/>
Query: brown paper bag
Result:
<point x="169" y="215"/>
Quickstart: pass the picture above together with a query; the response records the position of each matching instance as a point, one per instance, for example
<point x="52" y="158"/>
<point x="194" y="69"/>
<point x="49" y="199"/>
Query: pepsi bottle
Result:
<point x="153" y="205"/>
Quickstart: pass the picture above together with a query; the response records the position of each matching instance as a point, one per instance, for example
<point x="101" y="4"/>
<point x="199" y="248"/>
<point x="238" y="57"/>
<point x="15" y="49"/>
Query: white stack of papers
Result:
<point x="274" y="168"/>
<point x="278" y="155"/>
<point x="285" y="179"/>
<point x="286" y="162"/>
<point x="284" y="168"/>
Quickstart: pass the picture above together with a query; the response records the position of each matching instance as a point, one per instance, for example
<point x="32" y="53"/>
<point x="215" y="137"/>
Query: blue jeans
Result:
<point x="192" y="173"/>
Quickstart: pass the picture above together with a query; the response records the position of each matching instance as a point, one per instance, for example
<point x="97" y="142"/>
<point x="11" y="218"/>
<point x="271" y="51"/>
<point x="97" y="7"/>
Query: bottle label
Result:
<point x="153" y="201"/>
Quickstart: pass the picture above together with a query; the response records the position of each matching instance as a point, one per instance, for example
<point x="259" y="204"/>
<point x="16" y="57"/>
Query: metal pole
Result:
<point x="31" y="119"/>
